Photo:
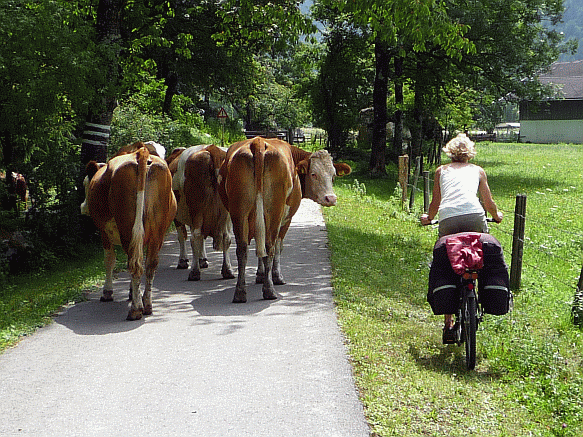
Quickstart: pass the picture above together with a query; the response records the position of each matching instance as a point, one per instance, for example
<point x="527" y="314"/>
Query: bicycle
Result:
<point x="469" y="310"/>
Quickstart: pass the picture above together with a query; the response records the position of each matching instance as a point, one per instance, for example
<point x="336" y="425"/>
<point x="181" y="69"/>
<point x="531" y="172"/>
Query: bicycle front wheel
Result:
<point x="470" y="325"/>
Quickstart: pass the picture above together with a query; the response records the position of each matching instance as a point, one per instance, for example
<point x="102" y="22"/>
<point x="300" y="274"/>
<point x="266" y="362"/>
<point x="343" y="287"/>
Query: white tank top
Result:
<point x="459" y="188"/>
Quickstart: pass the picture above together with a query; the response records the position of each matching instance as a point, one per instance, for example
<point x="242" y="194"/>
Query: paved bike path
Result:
<point x="200" y="365"/>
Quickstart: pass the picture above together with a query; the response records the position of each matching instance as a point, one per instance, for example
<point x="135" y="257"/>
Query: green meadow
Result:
<point x="529" y="375"/>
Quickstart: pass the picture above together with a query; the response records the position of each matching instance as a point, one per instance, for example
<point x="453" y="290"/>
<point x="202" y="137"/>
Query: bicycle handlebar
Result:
<point x="435" y="221"/>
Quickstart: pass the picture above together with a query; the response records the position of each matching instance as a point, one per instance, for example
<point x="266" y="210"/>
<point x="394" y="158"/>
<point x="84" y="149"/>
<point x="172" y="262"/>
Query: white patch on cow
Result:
<point x="178" y="178"/>
<point x="159" y="148"/>
<point x="112" y="232"/>
<point x="260" y="227"/>
<point x="109" y="259"/>
<point x="137" y="240"/>
<point x="84" y="206"/>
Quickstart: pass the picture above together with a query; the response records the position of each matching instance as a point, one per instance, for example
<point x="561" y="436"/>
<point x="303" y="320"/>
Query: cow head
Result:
<point x="91" y="169"/>
<point x="318" y="172"/>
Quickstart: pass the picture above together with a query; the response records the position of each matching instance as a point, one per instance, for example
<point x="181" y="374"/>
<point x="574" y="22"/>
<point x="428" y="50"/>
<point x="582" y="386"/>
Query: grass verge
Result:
<point x="28" y="301"/>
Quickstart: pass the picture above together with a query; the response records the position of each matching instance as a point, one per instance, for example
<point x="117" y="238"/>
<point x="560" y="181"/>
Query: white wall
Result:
<point x="551" y="131"/>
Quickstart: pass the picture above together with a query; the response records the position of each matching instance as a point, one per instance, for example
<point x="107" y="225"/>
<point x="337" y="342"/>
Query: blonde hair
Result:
<point x="460" y="148"/>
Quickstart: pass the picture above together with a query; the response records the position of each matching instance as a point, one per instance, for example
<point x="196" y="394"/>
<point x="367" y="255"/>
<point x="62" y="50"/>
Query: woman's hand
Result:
<point x="424" y="219"/>
<point x="498" y="217"/>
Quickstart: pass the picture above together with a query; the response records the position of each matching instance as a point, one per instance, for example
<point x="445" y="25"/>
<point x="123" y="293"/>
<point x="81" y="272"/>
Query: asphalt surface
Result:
<point x="200" y="365"/>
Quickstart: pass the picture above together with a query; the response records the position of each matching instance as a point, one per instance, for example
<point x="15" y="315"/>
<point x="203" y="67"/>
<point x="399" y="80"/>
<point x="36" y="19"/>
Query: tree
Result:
<point x="98" y="121"/>
<point x="341" y="88"/>
<point x="47" y="81"/>
<point x="399" y="27"/>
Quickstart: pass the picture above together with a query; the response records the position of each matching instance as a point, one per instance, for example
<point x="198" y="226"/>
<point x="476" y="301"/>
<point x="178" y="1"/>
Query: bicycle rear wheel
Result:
<point x="470" y="325"/>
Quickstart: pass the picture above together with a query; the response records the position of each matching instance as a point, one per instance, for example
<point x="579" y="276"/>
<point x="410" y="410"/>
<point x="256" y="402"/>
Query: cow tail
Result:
<point x="258" y="150"/>
<point x="135" y="265"/>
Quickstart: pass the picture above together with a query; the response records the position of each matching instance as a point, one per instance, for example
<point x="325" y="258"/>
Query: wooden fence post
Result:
<point x="518" y="241"/>
<point x="403" y="176"/>
<point x="415" y="180"/>
<point x="425" y="191"/>
<point x="577" y="307"/>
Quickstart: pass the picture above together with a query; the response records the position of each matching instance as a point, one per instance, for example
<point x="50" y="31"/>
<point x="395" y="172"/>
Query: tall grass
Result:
<point x="529" y="375"/>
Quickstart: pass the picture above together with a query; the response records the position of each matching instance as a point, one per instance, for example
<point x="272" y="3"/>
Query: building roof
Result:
<point x="568" y="77"/>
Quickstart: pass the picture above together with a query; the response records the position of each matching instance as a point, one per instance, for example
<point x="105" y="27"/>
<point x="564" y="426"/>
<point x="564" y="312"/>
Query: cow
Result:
<point x="262" y="182"/>
<point x="153" y="147"/>
<point x="195" y="186"/>
<point x="172" y="161"/>
<point x="16" y="189"/>
<point x="131" y="202"/>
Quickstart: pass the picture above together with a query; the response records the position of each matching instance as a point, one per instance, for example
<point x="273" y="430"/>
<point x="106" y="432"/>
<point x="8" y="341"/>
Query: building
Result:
<point x="560" y="119"/>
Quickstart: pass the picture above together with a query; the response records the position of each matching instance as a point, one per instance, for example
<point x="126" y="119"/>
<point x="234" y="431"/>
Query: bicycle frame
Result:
<point x="469" y="316"/>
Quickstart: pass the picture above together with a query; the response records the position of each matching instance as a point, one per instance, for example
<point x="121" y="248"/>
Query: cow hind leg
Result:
<point x="260" y="271"/>
<point x="268" y="288"/>
<point x="151" y="266"/>
<point x="276" y="275"/>
<point x="109" y="261"/>
<point x="203" y="261"/>
<point x="240" y="289"/>
<point x="137" y="306"/>
<point x="182" y="235"/>
<point x="226" y="269"/>
<point x="197" y="244"/>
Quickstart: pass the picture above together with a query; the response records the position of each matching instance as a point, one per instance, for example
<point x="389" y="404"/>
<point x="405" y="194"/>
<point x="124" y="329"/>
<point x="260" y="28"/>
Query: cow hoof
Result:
<point x="227" y="274"/>
<point x="182" y="264"/>
<point x="240" y="296"/>
<point x="134" y="315"/>
<point x="203" y="263"/>
<point x="278" y="280"/>
<point x="147" y="310"/>
<point x="259" y="279"/>
<point x="269" y="295"/>
<point x="107" y="296"/>
<point x="194" y="276"/>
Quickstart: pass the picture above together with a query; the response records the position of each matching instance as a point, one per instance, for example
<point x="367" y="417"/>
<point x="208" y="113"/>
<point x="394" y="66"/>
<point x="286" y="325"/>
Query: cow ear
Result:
<point x="342" y="169"/>
<point x="91" y="169"/>
<point x="302" y="166"/>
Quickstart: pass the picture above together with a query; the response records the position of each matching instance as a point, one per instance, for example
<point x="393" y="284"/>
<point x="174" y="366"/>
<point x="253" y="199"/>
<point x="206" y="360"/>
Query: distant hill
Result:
<point x="572" y="27"/>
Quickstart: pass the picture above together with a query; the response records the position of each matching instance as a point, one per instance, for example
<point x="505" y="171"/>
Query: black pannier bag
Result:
<point x="443" y="294"/>
<point x="493" y="280"/>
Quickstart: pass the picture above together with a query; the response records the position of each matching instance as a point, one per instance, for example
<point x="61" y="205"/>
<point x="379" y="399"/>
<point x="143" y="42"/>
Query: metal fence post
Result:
<point x="518" y="241"/>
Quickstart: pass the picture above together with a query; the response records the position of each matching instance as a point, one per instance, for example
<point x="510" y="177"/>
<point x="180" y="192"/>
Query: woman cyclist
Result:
<point x="454" y="199"/>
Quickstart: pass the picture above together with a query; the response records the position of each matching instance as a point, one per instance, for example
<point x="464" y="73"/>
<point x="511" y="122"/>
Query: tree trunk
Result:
<point x="98" y="122"/>
<point x="171" y="88"/>
<point x="379" y="130"/>
<point x="398" y="133"/>
<point x="417" y="128"/>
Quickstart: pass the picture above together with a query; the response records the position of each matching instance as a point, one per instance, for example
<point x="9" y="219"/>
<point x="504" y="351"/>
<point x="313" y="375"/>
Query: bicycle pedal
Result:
<point x="450" y="336"/>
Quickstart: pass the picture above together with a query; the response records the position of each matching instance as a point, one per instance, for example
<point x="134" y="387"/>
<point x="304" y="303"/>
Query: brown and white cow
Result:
<point x="195" y="186"/>
<point x="153" y="147"/>
<point x="172" y="161"/>
<point x="131" y="202"/>
<point x="262" y="182"/>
